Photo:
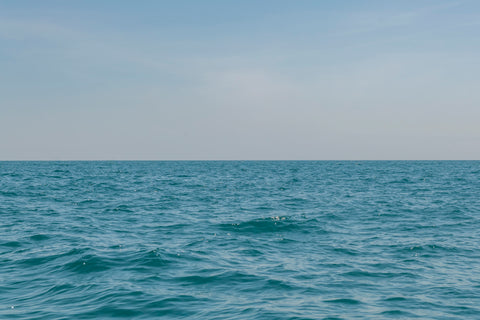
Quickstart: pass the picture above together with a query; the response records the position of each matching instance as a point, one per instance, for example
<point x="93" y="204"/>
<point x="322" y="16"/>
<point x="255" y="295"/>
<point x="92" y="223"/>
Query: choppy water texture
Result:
<point x="240" y="240"/>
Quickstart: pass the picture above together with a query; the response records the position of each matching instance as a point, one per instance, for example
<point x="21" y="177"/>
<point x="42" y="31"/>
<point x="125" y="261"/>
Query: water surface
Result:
<point x="240" y="240"/>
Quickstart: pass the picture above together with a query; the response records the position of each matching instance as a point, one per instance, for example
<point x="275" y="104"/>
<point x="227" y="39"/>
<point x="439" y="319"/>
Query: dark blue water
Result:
<point x="240" y="240"/>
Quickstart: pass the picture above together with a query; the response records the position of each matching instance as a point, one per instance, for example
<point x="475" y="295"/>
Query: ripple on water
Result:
<point x="273" y="224"/>
<point x="398" y="313"/>
<point x="39" y="237"/>
<point x="11" y="244"/>
<point x="345" y="301"/>
<point x="87" y="264"/>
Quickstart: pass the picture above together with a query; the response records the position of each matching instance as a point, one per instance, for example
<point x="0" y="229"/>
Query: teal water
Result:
<point x="240" y="240"/>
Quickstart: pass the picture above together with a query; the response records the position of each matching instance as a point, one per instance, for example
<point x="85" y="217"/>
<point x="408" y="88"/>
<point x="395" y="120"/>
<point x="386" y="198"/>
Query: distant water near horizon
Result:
<point x="240" y="240"/>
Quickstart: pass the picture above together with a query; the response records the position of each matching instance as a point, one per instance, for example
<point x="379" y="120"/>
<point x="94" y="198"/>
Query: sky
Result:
<point x="239" y="80"/>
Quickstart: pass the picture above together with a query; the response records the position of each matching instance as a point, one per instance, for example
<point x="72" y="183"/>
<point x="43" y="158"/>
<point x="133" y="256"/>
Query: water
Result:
<point x="240" y="240"/>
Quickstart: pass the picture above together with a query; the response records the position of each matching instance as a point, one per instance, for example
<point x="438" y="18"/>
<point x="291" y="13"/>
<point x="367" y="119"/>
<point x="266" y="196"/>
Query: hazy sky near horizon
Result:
<point x="246" y="79"/>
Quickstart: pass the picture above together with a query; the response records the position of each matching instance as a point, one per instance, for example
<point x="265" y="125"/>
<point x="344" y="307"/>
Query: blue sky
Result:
<point x="239" y="79"/>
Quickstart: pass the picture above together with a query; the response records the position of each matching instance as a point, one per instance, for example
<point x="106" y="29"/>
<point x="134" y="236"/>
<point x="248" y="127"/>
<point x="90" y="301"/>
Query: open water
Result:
<point x="240" y="240"/>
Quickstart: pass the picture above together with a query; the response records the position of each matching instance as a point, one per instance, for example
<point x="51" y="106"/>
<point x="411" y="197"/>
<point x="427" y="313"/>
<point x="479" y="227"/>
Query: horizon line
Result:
<point x="221" y="160"/>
